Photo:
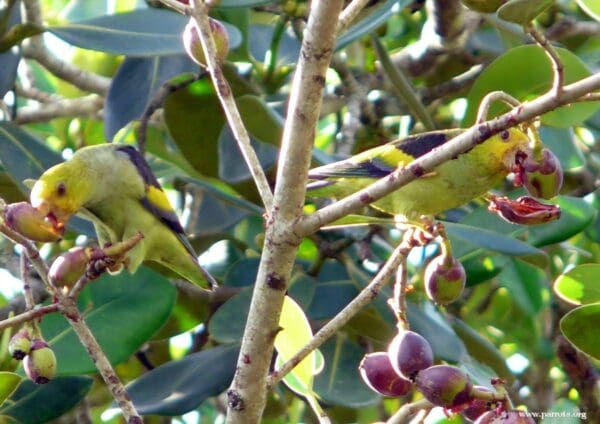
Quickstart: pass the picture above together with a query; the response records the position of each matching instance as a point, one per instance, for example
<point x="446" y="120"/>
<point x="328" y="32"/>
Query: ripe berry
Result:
<point x="193" y="46"/>
<point x="543" y="177"/>
<point x="477" y="407"/>
<point x="377" y="372"/>
<point x="40" y="364"/>
<point x="20" y="344"/>
<point x="524" y="210"/>
<point x="445" y="279"/>
<point x="69" y="267"/>
<point x="31" y="223"/>
<point x="445" y="386"/>
<point x="410" y="353"/>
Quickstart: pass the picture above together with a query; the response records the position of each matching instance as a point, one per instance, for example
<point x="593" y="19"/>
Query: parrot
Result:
<point x="112" y="186"/>
<point x="450" y="185"/>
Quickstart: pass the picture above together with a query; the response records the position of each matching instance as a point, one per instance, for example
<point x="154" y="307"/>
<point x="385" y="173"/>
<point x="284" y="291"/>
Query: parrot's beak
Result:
<point x="54" y="215"/>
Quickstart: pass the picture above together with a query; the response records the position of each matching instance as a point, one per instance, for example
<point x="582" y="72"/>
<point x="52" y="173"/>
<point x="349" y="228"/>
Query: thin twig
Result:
<point x="557" y="66"/>
<point x="409" y="409"/>
<point x="200" y="15"/>
<point x="364" y="297"/>
<point x="29" y="302"/>
<point x="350" y="13"/>
<point x="87" y="106"/>
<point x="457" y="146"/>
<point x="29" y="315"/>
<point x="494" y="96"/>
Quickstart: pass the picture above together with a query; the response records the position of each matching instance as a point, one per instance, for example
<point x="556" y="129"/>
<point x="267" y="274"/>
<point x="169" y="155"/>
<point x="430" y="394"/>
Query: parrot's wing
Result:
<point x="382" y="160"/>
<point x="155" y="200"/>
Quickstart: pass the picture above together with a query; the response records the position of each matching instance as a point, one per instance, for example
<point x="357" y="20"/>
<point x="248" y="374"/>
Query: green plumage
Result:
<point x="450" y="185"/>
<point x="113" y="186"/>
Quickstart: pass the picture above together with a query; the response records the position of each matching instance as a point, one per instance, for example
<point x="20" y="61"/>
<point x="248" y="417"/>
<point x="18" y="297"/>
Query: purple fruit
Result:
<point x="445" y="279"/>
<point x="478" y="407"/>
<point x="542" y="177"/>
<point x="504" y="417"/>
<point x="410" y="353"/>
<point x="445" y="386"/>
<point x="40" y="364"/>
<point x="377" y="372"/>
<point x="69" y="267"/>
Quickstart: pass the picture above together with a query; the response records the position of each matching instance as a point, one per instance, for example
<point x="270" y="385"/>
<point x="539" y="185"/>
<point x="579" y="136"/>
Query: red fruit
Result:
<point x="410" y="353"/>
<point x="544" y="177"/>
<point x="524" y="210"/>
<point x="40" y="364"/>
<point x="505" y="417"/>
<point x="478" y="407"/>
<point x="69" y="267"/>
<point x="445" y="386"/>
<point x="377" y="372"/>
<point x="193" y="46"/>
<point x="31" y="223"/>
<point x="445" y="279"/>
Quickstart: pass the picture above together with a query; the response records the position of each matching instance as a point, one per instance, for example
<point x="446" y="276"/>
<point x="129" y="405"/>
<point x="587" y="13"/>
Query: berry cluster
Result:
<point x="38" y="358"/>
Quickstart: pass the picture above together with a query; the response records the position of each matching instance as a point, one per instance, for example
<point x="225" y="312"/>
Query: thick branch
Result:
<point x="458" y="145"/>
<point x="80" y="107"/>
<point x="247" y="394"/>
<point x="200" y="14"/>
<point x="35" y="49"/>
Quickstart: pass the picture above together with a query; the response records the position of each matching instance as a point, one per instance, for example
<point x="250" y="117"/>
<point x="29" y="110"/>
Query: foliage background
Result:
<point x="507" y="322"/>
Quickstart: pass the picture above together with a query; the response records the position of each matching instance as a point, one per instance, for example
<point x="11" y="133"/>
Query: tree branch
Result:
<point x="458" y="145"/>
<point x="88" y="106"/>
<point x="247" y="394"/>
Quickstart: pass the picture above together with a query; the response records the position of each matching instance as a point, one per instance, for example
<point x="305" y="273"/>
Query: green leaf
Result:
<point x="340" y="383"/>
<point x="522" y="11"/>
<point x="431" y="324"/>
<point x="141" y="32"/>
<point x="23" y="155"/>
<point x="525" y="72"/>
<point x="491" y="240"/>
<point x="295" y="333"/>
<point x="228" y="323"/>
<point x="526" y="284"/>
<point x="369" y="23"/>
<point x="580" y="327"/>
<point x="562" y="143"/>
<point x="33" y="403"/>
<point x="9" y="382"/>
<point x="576" y="215"/>
<point x="579" y="285"/>
<point x="243" y="3"/>
<point x="591" y="7"/>
<point x="177" y="387"/>
<point x="123" y="311"/>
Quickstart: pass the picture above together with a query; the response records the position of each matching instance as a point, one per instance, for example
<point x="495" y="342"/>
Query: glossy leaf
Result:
<point x="492" y="241"/>
<point x="33" y="404"/>
<point x="580" y="327"/>
<point x="123" y="311"/>
<point x="534" y="73"/>
<point x="227" y="324"/>
<point x="339" y="383"/>
<point x="370" y="22"/>
<point x="429" y="323"/>
<point x="141" y="32"/>
<point x="9" y="382"/>
<point x="177" y="387"/>
<point x="135" y="84"/>
<point x="576" y="215"/>
<point x="334" y="290"/>
<point x="522" y="11"/>
<point x="242" y="273"/>
<point x="591" y="7"/>
<point x="260" y="43"/>
<point x="579" y="285"/>
<point x="23" y="155"/>
<point x="526" y="284"/>
<point x="295" y="333"/>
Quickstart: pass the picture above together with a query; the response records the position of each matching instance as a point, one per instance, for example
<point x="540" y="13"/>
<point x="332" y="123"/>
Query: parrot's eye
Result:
<point x="61" y="189"/>
<point x="505" y="135"/>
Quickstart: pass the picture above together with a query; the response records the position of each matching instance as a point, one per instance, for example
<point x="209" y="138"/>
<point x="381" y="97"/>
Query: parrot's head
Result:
<point x="505" y="149"/>
<point x="60" y="192"/>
